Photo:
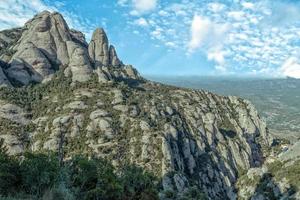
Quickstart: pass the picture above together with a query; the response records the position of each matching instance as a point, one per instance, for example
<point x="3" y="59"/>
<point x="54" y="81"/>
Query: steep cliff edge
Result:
<point x="99" y="106"/>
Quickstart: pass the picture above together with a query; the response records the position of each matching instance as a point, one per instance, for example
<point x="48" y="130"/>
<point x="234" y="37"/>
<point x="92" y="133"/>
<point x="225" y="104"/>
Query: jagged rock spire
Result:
<point x="46" y="43"/>
<point x="113" y="57"/>
<point x="98" y="48"/>
<point x="100" y="51"/>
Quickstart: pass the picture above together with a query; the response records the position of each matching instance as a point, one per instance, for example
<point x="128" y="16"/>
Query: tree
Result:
<point x="83" y="174"/>
<point x="108" y="184"/>
<point x="39" y="172"/>
<point x="138" y="184"/>
<point x="9" y="171"/>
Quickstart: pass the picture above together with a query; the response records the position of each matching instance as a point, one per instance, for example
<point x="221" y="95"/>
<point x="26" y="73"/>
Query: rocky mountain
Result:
<point x="59" y="91"/>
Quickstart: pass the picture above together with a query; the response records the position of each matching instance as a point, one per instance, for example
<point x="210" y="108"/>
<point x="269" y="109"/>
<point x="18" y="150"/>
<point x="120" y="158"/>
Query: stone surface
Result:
<point x="185" y="137"/>
<point x="13" y="113"/>
<point x="98" y="48"/>
<point x="79" y="62"/>
<point x="3" y="79"/>
<point x="113" y="57"/>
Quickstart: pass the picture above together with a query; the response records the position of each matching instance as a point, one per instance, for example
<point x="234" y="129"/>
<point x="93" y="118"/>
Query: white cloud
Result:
<point x="141" y="22"/>
<point x="248" y="5"/>
<point x="205" y="33"/>
<point x="134" y="13"/>
<point x="237" y="15"/>
<point x="216" y="7"/>
<point x="217" y="55"/>
<point x="247" y="36"/>
<point x="163" y="13"/>
<point x="171" y="44"/>
<point x="291" y="68"/>
<point x="14" y="13"/>
<point x="199" y="31"/>
<point x="122" y="2"/>
<point x="144" y="5"/>
<point x="157" y="33"/>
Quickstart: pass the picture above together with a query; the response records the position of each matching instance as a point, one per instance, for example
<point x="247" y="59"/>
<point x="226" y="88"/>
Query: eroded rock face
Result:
<point x="40" y="49"/>
<point x="46" y="44"/>
<point x="98" y="48"/>
<point x="113" y="57"/>
<point x="48" y="32"/>
<point x="101" y="53"/>
<point x="79" y="62"/>
<point x="185" y="137"/>
<point x="3" y="79"/>
<point x="29" y="64"/>
<point x="78" y="37"/>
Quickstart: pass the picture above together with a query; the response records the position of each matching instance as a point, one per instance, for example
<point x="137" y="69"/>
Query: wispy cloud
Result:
<point x="206" y="34"/>
<point x="144" y="5"/>
<point x="245" y="36"/>
<point x="141" y="22"/>
<point x="14" y="13"/>
<point x="291" y="68"/>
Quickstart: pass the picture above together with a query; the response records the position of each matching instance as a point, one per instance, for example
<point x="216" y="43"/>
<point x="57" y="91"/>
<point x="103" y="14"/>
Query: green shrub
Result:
<point x="138" y="184"/>
<point x="9" y="171"/>
<point x="39" y="172"/>
<point x="60" y="192"/>
<point x="83" y="174"/>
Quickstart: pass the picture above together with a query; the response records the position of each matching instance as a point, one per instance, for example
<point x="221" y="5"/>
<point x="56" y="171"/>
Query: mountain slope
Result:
<point x="60" y="91"/>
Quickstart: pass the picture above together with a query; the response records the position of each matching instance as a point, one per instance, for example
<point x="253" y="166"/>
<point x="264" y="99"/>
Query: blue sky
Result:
<point x="185" y="37"/>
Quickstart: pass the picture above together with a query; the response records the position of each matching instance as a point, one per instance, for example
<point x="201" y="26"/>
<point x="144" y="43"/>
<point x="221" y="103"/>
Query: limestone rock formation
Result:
<point x="78" y="37"/>
<point x="98" y="48"/>
<point x="101" y="53"/>
<point x="113" y="58"/>
<point x="46" y="44"/>
<point x="79" y="62"/>
<point x="3" y="79"/>
<point x="187" y="138"/>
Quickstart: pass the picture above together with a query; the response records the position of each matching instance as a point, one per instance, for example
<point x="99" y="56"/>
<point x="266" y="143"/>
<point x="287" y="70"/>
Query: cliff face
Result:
<point x="99" y="106"/>
<point x="45" y="44"/>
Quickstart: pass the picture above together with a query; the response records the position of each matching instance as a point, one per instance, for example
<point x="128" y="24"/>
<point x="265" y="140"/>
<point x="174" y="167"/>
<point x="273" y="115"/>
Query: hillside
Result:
<point x="59" y="93"/>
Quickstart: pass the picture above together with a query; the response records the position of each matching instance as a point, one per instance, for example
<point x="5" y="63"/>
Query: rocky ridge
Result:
<point x="99" y="106"/>
<point x="46" y="44"/>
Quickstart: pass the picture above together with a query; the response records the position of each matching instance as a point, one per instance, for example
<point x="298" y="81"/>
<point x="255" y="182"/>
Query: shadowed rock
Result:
<point x="113" y="58"/>
<point x="3" y="79"/>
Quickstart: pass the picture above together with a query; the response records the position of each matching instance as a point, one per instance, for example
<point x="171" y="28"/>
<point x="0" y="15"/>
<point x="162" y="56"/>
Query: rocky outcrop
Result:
<point x="46" y="44"/>
<point x="8" y="38"/>
<point x="100" y="107"/>
<point x="29" y="64"/>
<point x="187" y="138"/>
<point x="79" y="63"/>
<point x="78" y="37"/>
<point x="113" y="58"/>
<point x="49" y="33"/>
<point x="98" y="48"/>
<point x="3" y="79"/>
<point x="101" y="53"/>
